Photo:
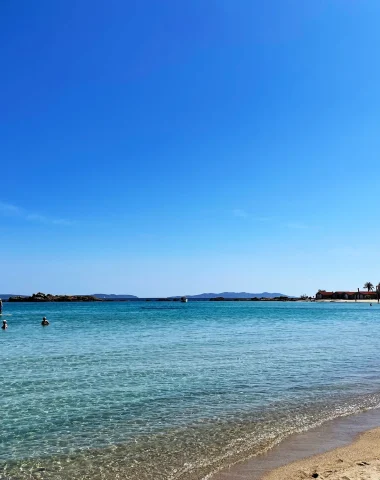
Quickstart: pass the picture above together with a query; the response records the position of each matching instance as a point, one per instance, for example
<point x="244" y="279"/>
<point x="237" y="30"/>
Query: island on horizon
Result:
<point x="47" y="297"/>
<point x="98" y="297"/>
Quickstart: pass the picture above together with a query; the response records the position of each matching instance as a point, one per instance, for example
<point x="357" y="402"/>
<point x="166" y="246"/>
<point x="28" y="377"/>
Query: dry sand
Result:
<point x="358" y="461"/>
<point x="339" y="300"/>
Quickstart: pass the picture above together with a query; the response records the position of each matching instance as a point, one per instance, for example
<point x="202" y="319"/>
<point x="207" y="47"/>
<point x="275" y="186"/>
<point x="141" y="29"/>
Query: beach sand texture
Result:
<point x="358" y="461"/>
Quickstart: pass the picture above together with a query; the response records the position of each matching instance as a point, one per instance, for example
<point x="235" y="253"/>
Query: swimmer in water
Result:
<point x="4" y="325"/>
<point x="45" y="322"/>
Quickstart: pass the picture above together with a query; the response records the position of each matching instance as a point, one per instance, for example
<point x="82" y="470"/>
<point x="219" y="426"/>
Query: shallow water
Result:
<point x="175" y="391"/>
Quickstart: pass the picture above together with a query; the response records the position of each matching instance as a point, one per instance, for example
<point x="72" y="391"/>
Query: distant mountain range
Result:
<point x="237" y="295"/>
<point x="201" y="295"/>
<point x="105" y="296"/>
<point x="5" y="296"/>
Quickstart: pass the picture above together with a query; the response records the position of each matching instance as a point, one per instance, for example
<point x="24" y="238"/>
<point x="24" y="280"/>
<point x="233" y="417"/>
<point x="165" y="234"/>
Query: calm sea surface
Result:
<point x="153" y="390"/>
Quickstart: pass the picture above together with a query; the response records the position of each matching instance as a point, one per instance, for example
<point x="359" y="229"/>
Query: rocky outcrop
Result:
<point x="254" y="299"/>
<point x="47" y="297"/>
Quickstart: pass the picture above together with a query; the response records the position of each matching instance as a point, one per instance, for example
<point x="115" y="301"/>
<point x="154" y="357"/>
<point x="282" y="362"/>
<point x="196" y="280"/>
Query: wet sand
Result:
<point x="325" y="451"/>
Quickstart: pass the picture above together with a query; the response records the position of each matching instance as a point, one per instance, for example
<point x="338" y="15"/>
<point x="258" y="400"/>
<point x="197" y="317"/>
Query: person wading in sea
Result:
<point x="4" y="325"/>
<point x="45" y="322"/>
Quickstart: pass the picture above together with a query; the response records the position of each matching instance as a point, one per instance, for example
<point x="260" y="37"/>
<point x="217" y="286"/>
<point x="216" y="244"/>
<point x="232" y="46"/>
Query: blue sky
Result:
<point x="161" y="148"/>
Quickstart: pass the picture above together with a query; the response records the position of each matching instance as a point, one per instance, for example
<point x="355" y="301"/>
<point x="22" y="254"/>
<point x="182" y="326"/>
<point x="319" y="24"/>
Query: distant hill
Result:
<point x="105" y="296"/>
<point x="5" y="296"/>
<point x="238" y="295"/>
<point x="112" y="296"/>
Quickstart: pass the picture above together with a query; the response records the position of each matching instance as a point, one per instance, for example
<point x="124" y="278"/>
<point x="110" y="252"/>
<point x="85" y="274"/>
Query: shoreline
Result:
<point x="357" y="461"/>
<point x="316" y="451"/>
<point x="339" y="300"/>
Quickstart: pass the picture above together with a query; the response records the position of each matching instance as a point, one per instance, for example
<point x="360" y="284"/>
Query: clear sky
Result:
<point x="177" y="147"/>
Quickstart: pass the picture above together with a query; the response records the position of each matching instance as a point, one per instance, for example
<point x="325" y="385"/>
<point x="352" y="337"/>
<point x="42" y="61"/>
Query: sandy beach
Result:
<point x="357" y="461"/>
<point x="226" y="391"/>
<point x="339" y="300"/>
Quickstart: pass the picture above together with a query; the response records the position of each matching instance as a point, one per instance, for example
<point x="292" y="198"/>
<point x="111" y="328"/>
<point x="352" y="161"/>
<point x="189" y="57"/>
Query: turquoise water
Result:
<point x="153" y="390"/>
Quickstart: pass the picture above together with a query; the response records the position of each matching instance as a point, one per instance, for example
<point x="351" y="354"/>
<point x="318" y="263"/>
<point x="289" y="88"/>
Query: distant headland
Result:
<point x="234" y="295"/>
<point x="47" y="297"/>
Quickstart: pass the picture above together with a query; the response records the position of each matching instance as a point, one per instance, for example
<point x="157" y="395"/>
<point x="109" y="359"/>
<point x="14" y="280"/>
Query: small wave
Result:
<point x="193" y="452"/>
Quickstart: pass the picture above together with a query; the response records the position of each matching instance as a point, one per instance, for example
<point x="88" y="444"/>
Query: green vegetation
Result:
<point x="368" y="286"/>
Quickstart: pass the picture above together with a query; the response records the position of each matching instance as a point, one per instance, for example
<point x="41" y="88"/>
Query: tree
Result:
<point x="368" y="286"/>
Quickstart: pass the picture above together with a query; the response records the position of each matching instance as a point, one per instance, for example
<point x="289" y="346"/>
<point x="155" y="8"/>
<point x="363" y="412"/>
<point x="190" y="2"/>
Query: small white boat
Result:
<point x="184" y="300"/>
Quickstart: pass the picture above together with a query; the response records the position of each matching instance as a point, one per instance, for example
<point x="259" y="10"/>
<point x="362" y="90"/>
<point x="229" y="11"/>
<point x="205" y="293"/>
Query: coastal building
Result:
<point x="323" y="295"/>
<point x="345" y="295"/>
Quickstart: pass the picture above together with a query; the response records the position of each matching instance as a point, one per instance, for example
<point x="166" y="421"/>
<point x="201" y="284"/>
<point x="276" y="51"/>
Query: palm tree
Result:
<point x="368" y="286"/>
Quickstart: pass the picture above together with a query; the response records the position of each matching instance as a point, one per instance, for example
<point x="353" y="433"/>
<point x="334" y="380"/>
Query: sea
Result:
<point x="175" y="391"/>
